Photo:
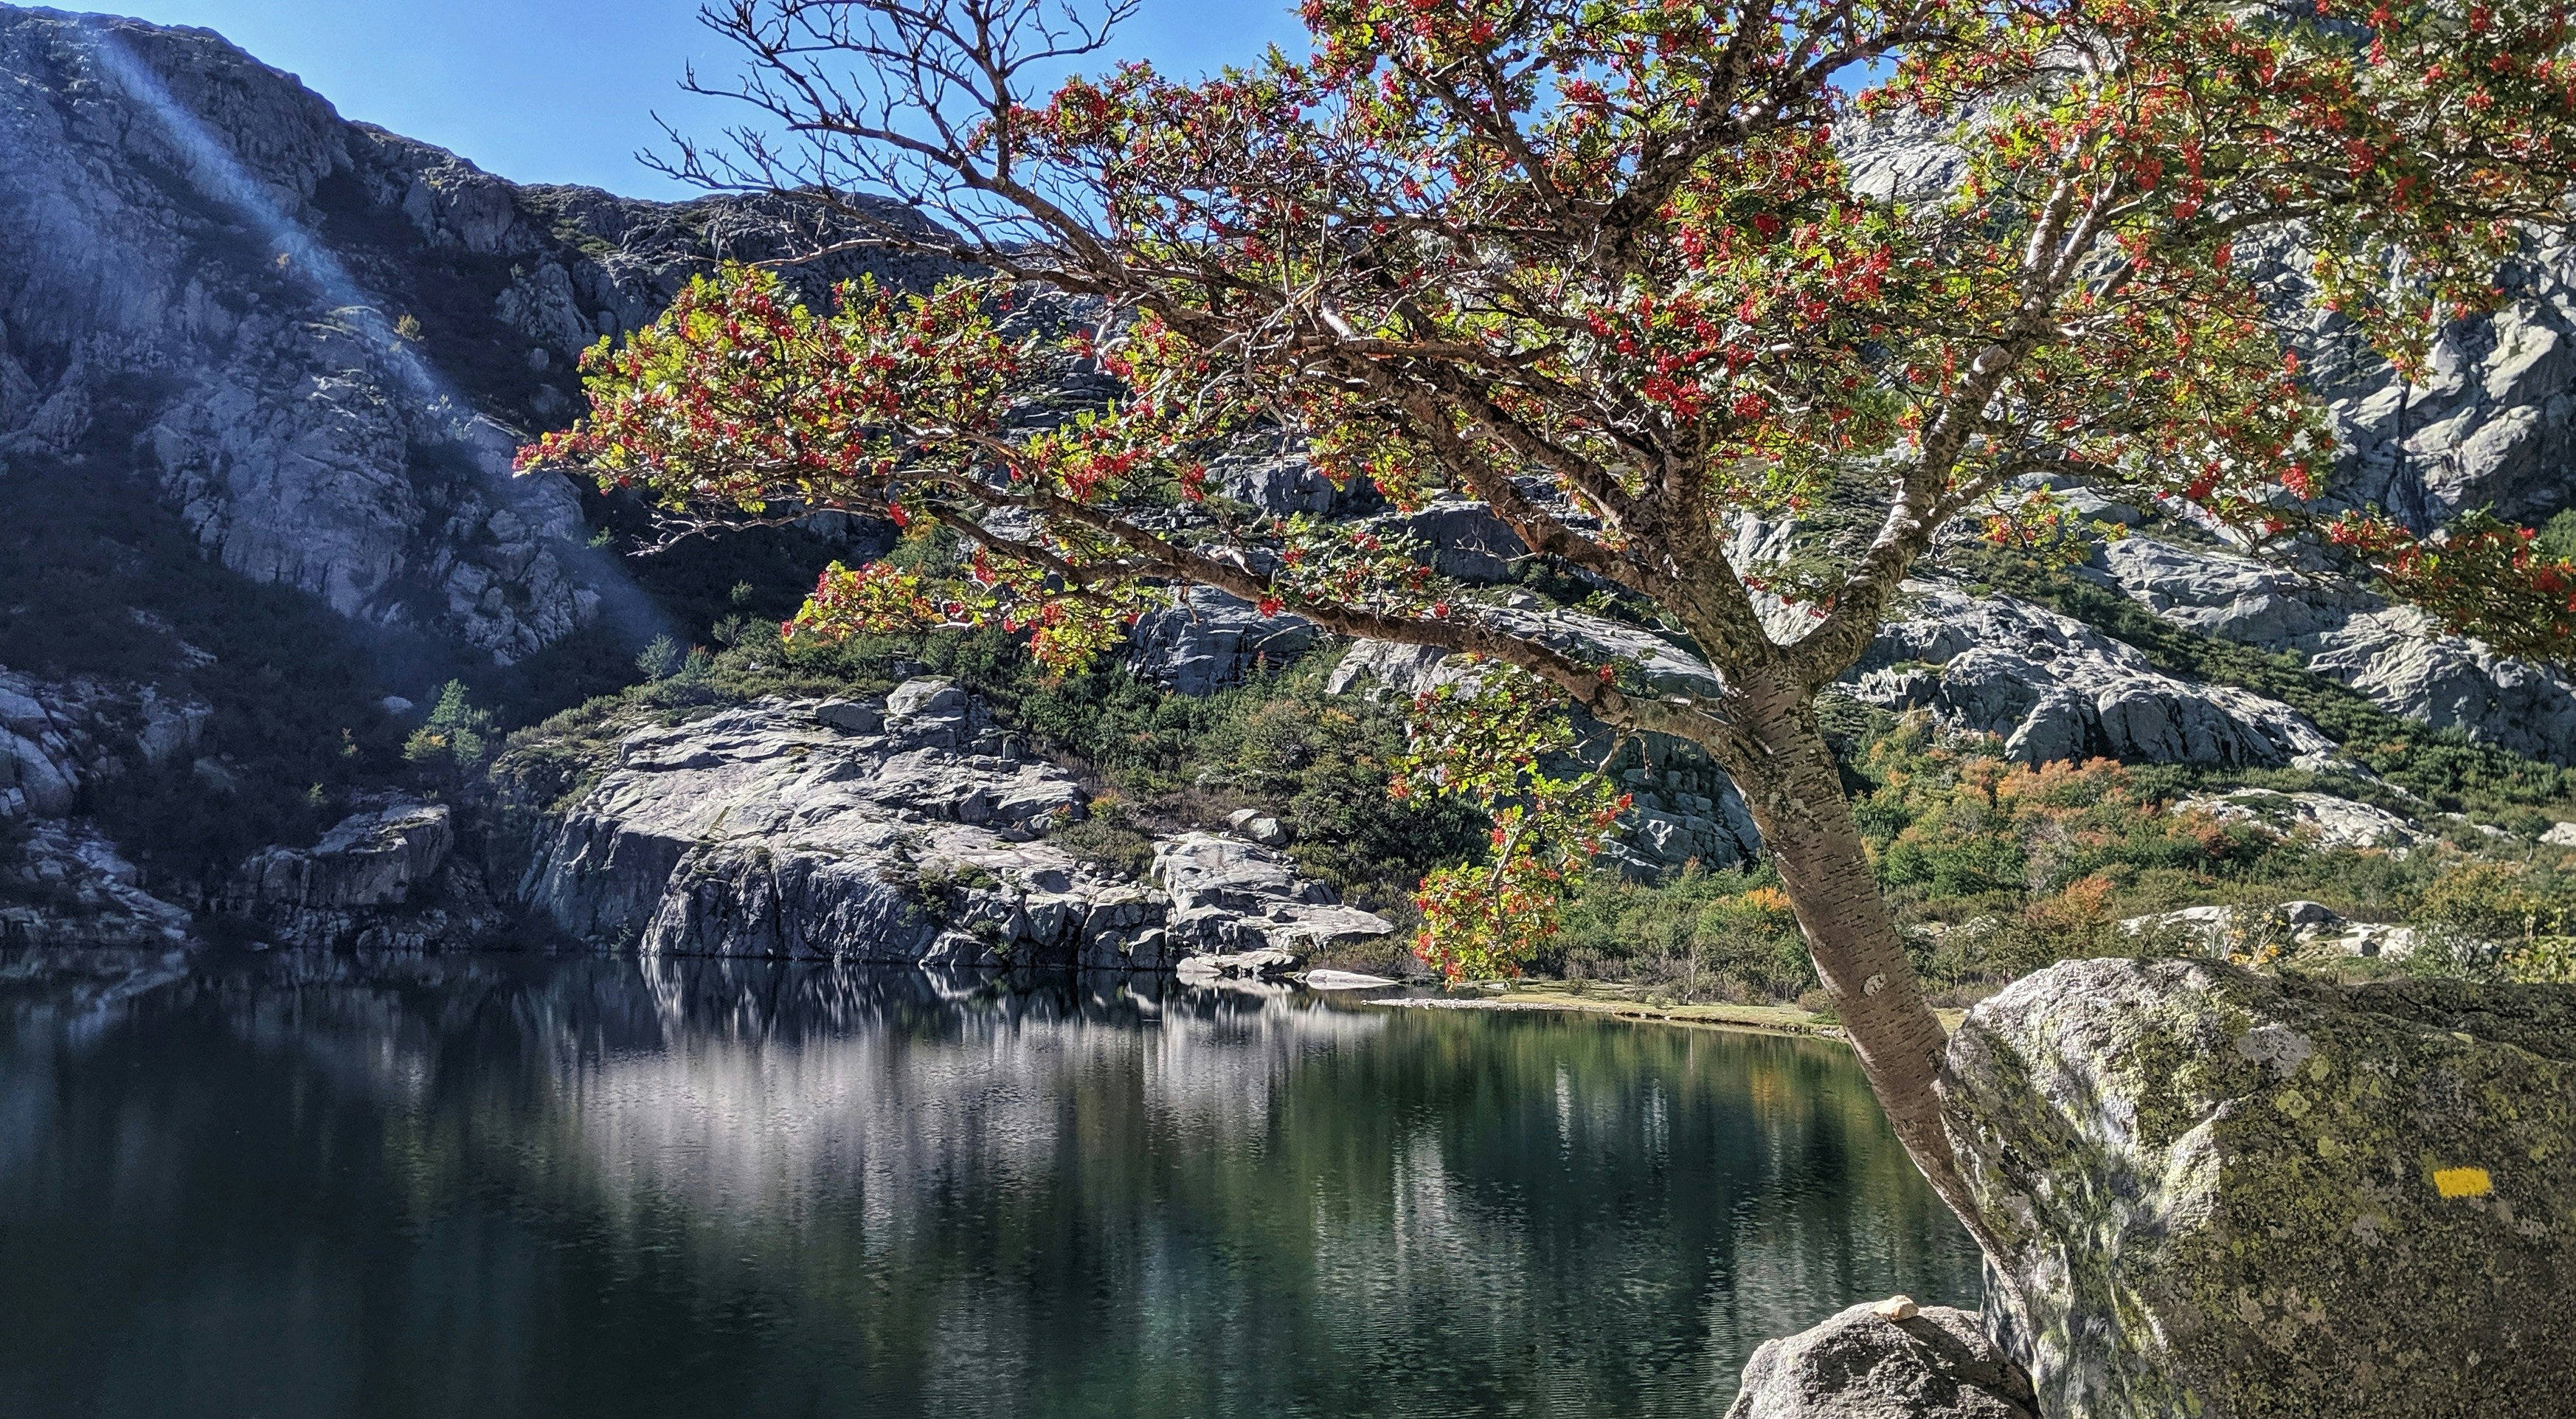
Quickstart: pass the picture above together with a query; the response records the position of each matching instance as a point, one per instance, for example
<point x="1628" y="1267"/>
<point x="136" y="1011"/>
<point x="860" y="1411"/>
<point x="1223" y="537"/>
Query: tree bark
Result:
<point x="1787" y="774"/>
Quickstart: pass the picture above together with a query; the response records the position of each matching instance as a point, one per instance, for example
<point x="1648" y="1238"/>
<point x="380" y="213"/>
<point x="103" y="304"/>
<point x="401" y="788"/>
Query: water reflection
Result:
<point x="304" y="1186"/>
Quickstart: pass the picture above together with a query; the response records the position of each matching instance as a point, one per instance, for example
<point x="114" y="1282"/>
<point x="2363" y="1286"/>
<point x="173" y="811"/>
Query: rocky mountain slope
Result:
<point x="312" y="346"/>
<point x="320" y="342"/>
<point x="904" y="830"/>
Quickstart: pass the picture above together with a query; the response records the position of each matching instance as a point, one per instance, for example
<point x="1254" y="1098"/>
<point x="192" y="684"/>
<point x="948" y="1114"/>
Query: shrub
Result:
<point x="660" y="659"/>
<point x="2496" y="901"/>
<point x="1701" y="936"/>
<point x="456" y="736"/>
<point x="1105" y="837"/>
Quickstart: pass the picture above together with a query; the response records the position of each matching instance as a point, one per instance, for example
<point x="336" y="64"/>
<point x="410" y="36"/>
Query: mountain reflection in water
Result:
<point x="491" y="1186"/>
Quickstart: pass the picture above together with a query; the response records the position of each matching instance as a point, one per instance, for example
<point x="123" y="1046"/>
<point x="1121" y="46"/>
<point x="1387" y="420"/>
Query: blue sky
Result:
<point x="564" y="90"/>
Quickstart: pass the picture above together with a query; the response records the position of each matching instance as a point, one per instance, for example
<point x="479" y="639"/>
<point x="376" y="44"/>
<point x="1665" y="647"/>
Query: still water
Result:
<point x="291" y="1187"/>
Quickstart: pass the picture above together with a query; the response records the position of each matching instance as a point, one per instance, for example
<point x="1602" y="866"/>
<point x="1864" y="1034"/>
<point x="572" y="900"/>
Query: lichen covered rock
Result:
<point x="2217" y="1193"/>
<point x="1866" y="1363"/>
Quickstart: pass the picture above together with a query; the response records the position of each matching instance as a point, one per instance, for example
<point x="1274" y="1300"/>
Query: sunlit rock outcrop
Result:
<point x="2394" y="655"/>
<point x="907" y="830"/>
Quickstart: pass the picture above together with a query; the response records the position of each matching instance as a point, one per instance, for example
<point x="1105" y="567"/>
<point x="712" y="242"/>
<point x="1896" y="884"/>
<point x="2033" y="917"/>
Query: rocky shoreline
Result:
<point x="902" y="830"/>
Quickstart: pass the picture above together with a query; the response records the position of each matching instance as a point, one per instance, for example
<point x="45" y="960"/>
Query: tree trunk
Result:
<point x="1789" y="780"/>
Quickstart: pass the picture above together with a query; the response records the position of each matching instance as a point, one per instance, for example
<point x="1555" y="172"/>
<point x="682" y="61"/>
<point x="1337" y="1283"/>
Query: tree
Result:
<point x="1631" y="275"/>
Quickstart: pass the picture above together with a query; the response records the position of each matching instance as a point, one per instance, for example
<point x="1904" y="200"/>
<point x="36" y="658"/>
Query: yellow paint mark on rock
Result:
<point x="2462" y="1182"/>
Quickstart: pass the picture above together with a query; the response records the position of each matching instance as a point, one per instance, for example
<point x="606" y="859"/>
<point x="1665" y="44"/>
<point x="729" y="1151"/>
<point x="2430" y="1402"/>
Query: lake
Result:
<point x="287" y="1187"/>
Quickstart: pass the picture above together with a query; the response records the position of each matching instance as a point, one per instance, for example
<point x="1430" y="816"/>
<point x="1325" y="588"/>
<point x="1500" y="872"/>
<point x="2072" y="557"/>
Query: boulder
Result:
<point x="372" y="858"/>
<point x="1864" y="1363"/>
<point x="2298" y="928"/>
<point x="930" y="699"/>
<point x="1211" y="640"/>
<point x="1260" y="827"/>
<point x="851" y="716"/>
<point x="383" y="877"/>
<point x="2226" y="1194"/>
<point x="2319" y="819"/>
<point x="1232" y="896"/>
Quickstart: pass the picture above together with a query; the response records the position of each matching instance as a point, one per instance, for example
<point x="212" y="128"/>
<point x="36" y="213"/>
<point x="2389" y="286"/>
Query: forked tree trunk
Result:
<point x="1789" y="780"/>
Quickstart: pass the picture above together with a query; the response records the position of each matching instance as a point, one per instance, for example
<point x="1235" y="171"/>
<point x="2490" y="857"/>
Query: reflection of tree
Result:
<point x="907" y="1194"/>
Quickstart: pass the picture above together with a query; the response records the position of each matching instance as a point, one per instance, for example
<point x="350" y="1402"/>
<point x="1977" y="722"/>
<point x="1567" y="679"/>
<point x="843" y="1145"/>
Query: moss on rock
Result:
<point x="2221" y="1193"/>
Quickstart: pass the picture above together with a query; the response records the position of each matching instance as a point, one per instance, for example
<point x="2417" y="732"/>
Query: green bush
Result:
<point x="455" y="738"/>
<point x="660" y="659"/>
<point x="1725" y="936"/>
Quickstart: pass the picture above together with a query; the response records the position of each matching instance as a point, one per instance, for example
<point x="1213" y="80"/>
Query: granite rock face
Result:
<point x="66" y="882"/>
<point x="1208" y="640"/>
<point x="385" y="877"/>
<point x="905" y="831"/>
<point x="2494" y="425"/>
<point x="1282" y="483"/>
<point x="1212" y="640"/>
<point x="68" y="885"/>
<point x="321" y="341"/>
<point x="2055" y="688"/>
<point x="2048" y="685"/>
<point x="1686" y="809"/>
<point x="190" y="319"/>
<point x="1229" y="895"/>
<point x="372" y="858"/>
<point x="1409" y="670"/>
<point x="1461" y="538"/>
<point x="1933" y="1364"/>
<point x="2394" y="655"/>
<point x="2242" y="1196"/>
<point x="58" y="737"/>
<point x="2495" y="422"/>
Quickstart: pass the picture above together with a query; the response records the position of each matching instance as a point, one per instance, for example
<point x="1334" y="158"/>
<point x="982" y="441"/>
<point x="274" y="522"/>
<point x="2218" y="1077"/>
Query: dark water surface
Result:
<point x="291" y="1187"/>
